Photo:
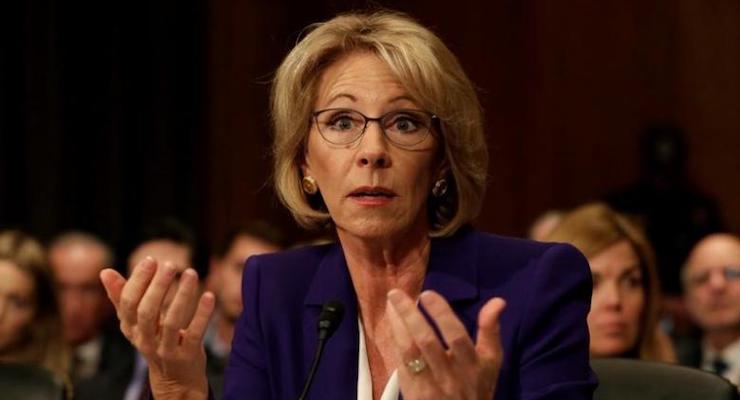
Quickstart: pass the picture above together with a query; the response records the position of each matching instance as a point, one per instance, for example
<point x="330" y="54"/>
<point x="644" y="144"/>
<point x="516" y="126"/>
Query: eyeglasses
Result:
<point x="404" y="128"/>
<point x="731" y="273"/>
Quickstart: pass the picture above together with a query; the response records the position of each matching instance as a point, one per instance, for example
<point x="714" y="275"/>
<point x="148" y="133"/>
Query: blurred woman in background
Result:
<point x="624" y="304"/>
<point x="30" y="327"/>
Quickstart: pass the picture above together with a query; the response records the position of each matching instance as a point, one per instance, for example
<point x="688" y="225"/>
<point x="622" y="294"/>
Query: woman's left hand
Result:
<point x="465" y="370"/>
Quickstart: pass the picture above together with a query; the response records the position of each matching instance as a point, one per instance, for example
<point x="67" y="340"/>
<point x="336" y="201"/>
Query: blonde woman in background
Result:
<point x="624" y="305"/>
<point x="30" y="327"/>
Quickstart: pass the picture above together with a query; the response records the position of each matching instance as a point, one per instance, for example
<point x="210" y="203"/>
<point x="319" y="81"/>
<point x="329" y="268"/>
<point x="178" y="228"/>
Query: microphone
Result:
<point x="331" y="315"/>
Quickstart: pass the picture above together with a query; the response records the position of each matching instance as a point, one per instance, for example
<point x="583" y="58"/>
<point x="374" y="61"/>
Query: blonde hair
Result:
<point x="428" y="71"/>
<point x="594" y="227"/>
<point x="44" y="346"/>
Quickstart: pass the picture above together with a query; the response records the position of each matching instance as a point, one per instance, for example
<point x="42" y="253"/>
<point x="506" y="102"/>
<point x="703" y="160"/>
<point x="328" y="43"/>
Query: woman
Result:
<point x="624" y="304"/>
<point x="378" y="136"/>
<point x="29" y="312"/>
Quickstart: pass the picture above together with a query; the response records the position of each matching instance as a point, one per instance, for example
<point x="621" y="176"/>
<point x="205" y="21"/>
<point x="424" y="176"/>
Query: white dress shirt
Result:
<point x="365" y="380"/>
<point x="730" y="355"/>
<point x="87" y="358"/>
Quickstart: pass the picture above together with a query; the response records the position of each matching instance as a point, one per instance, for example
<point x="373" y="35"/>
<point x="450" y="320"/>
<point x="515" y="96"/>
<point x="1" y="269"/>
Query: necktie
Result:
<point x="719" y="366"/>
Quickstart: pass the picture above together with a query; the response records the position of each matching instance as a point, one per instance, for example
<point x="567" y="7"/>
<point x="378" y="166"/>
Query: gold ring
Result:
<point x="416" y="365"/>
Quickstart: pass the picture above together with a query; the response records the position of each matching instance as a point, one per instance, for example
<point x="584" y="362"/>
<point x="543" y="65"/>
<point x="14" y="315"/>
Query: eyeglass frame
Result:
<point x="730" y="273"/>
<point x="435" y="124"/>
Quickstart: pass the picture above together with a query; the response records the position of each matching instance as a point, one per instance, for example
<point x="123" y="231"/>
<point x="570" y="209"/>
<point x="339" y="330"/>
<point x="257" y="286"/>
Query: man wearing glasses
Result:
<point x="711" y="278"/>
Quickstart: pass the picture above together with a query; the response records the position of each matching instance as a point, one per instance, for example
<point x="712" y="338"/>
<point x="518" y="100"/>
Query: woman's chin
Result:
<point x="610" y="348"/>
<point x="375" y="227"/>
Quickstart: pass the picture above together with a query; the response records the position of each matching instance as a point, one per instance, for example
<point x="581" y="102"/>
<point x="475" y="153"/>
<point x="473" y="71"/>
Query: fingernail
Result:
<point x="425" y="297"/>
<point x="147" y="264"/>
<point x="191" y="274"/>
<point x="169" y="269"/>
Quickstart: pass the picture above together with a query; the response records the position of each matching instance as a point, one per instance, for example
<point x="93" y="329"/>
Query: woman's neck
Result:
<point x="378" y="265"/>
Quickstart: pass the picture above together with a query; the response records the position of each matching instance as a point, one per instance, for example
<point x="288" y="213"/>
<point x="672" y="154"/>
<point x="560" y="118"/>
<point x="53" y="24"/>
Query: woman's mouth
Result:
<point x="372" y="195"/>
<point x="613" y="328"/>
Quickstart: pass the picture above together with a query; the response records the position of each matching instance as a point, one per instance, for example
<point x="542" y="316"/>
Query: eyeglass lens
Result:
<point x="402" y="127"/>
<point x="730" y="273"/>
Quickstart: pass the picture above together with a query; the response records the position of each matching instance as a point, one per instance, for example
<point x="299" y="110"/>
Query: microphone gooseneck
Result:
<point x="331" y="315"/>
<point x="329" y="319"/>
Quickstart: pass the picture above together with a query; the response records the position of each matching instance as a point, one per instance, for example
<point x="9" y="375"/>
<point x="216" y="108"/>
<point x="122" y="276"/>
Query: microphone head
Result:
<point x="331" y="315"/>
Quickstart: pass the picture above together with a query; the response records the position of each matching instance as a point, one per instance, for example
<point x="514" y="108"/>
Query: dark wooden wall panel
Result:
<point x="707" y="90"/>
<point x="567" y="88"/>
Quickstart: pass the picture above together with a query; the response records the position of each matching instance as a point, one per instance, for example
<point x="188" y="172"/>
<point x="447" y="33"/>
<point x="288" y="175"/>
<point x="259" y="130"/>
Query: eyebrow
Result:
<point x="340" y="95"/>
<point x="354" y="99"/>
<point x="631" y="269"/>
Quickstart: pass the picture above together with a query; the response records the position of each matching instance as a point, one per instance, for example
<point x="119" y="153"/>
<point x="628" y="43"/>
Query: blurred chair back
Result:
<point x="628" y="379"/>
<point x="28" y="382"/>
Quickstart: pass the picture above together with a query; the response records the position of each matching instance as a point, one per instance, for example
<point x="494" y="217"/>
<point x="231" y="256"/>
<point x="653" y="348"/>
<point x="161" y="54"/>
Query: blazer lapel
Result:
<point x="336" y="376"/>
<point x="453" y="273"/>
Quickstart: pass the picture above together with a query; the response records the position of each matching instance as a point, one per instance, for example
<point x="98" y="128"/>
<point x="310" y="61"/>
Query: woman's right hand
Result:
<point x="169" y="336"/>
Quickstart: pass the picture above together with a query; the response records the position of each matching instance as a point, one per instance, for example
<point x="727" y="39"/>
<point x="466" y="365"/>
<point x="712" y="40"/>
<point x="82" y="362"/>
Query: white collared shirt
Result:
<point x="213" y="342"/>
<point x="365" y="380"/>
<point x="88" y="356"/>
<point x="730" y="355"/>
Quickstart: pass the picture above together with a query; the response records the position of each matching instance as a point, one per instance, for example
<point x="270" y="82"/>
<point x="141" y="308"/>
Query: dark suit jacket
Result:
<point x="114" y="372"/>
<point x="543" y="329"/>
<point x="215" y="367"/>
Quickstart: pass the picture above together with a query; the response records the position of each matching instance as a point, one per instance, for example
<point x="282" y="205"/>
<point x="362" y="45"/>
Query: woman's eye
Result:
<point x="405" y="124"/>
<point x="17" y="302"/>
<point x="634" y="281"/>
<point x="237" y="266"/>
<point x="342" y="123"/>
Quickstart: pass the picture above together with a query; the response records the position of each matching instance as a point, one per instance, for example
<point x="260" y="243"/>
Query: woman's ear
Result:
<point x="305" y="169"/>
<point x="304" y="164"/>
<point x="443" y="170"/>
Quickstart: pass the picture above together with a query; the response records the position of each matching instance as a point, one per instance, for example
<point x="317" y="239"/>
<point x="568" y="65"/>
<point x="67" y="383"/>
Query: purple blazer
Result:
<point x="544" y="335"/>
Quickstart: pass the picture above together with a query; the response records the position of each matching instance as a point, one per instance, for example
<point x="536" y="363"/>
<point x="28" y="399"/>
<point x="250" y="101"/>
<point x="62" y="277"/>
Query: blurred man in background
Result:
<point x="225" y="280"/>
<point x="102" y="359"/>
<point x="711" y="278"/>
<point x="166" y="240"/>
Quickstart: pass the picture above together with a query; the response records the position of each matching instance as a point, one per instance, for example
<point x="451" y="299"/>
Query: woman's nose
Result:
<point x="611" y="295"/>
<point x="373" y="148"/>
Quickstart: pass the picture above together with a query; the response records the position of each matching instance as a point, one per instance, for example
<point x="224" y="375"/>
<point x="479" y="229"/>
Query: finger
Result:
<point x="402" y="340"/>
<point x="113" y="283"/>
<point x="181" y="310"/>
<point x="193" y="335"/>
<point x="421" y="332"/>
<point x="150" y="307"/>
<point x="412" y="385"/>
<point x="405" y="351"/>
<point x="488" y="345"/>
<point x="453" y="331"/>
<point x="134" y="290"/>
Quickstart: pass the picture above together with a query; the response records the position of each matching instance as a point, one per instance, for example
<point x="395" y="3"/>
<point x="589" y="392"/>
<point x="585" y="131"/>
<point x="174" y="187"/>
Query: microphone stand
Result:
<point x="329" y="319"/>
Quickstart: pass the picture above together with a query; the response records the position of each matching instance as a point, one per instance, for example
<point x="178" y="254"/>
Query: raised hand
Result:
<point x="465" y="370"/>
<point x="169" y="334"/>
